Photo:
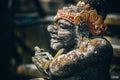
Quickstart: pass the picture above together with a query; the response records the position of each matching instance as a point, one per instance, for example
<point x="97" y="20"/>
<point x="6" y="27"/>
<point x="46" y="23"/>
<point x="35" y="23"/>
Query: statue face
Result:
<point x="62" y="34"/>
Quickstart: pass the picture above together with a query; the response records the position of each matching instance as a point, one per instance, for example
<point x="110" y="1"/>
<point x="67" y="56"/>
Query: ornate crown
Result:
<point x="88" y="15"/>
<point x="76" y="18"/>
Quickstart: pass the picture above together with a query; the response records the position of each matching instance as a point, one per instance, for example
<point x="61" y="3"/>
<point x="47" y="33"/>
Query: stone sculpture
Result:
<point x="77" y="35"/>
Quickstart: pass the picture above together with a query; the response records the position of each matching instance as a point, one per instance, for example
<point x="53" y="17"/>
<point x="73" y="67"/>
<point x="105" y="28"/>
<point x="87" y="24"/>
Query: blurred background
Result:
<point x="23" y="26"/>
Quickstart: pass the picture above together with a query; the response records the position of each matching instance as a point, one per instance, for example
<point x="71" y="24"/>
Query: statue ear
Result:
<point x="83" y="29"/>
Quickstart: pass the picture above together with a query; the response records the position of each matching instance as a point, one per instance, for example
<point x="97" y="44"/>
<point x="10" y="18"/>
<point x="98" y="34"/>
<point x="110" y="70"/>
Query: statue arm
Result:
<point x="77" y="60"/>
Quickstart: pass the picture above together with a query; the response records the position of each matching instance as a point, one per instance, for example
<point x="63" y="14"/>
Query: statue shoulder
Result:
<point x="100" y="42"/>
<point x="102" y="45"/>
<point x="92" y="44"/>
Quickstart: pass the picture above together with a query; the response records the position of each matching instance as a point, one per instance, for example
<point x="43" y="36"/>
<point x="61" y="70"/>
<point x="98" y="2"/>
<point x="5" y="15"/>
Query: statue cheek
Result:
<point x="64" y="35"/>
<point x="63" y="32"/>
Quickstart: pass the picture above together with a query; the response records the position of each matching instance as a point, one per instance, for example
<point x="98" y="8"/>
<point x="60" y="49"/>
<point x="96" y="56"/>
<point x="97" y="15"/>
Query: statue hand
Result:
<point x="41" y="60"/>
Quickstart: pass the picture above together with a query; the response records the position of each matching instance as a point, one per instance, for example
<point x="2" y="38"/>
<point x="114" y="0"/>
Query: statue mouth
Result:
<point x="55" y="40"/>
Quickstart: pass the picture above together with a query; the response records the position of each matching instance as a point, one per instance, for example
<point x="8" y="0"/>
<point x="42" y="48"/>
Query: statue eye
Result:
<point x="64" y="27"/>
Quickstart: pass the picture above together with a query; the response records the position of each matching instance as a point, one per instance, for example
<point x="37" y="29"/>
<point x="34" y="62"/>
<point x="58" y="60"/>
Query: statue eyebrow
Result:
<point x="64" y="22"/>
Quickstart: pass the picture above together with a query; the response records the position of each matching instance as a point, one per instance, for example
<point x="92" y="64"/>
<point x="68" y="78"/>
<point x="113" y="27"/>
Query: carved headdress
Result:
<point x="83" y="13"/>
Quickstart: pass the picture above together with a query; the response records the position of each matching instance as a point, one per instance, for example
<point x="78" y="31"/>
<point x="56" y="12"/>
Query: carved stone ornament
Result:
<point x="95" y="21"/>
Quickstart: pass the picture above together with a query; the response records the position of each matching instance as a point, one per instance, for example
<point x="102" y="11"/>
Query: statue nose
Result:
<point x="52" y="29"/>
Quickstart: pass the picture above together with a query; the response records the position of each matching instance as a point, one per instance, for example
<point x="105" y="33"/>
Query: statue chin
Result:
<point x="57" y="46"/>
